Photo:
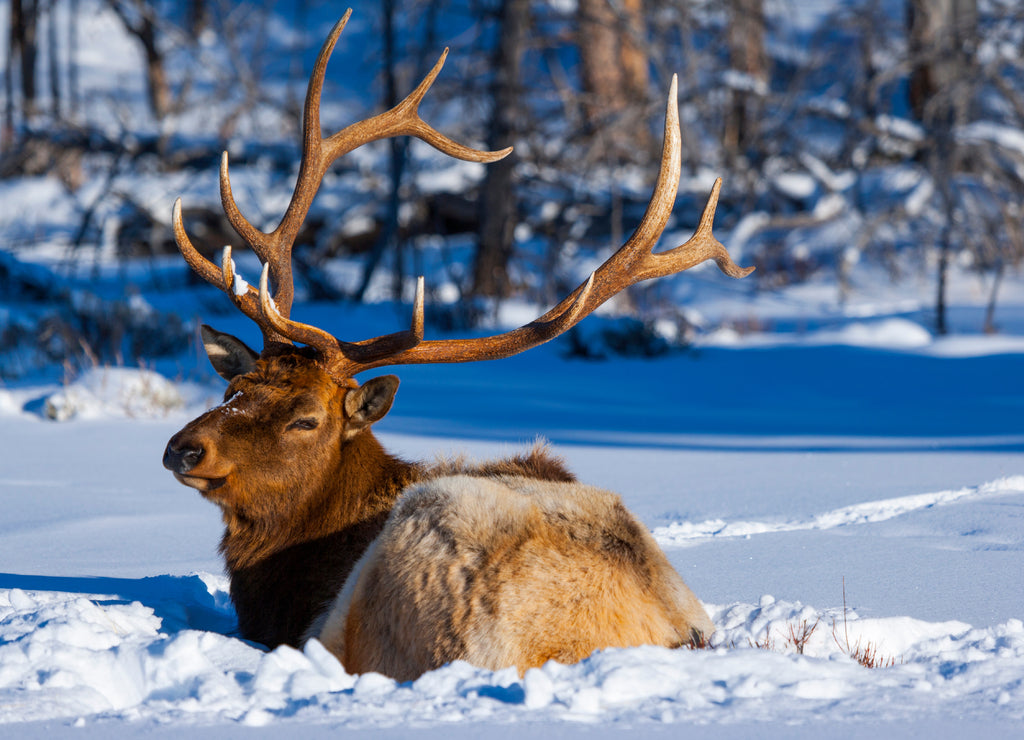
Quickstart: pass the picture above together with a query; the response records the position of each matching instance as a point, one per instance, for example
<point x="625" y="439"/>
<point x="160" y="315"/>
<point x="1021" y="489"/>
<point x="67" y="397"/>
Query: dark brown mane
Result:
<point x="538" y="463"/>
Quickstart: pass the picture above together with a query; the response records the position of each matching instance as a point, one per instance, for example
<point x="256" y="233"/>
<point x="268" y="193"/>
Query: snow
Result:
<point x="906" y="546"/>
<point x="82" y="655"/>
<point x="796" y="185"/>
<point x="111" y="391"/>
<point x="892" y="333"/>
<point x="1008" y="138"/>
<point x="682" y="533"/>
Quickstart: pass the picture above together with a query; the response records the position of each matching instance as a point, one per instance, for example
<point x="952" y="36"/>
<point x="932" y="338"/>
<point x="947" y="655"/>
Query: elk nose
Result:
<point x="182" y="459"/>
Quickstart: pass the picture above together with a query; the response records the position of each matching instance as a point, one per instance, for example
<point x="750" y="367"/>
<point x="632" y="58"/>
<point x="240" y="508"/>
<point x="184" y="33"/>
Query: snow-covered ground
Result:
<point x="868" y="492"/>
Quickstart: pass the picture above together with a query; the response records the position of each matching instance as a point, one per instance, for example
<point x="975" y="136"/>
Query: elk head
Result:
<point x="283" y="423"/>
<point x="289" y="411"/>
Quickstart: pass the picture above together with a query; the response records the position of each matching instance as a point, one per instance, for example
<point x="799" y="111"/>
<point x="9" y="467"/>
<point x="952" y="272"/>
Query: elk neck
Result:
<point x="283" y="577"/>
<point x="359" y="493"/>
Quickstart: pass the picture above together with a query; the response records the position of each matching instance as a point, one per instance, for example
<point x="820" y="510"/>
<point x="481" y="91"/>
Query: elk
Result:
<point x="401" y="567"/>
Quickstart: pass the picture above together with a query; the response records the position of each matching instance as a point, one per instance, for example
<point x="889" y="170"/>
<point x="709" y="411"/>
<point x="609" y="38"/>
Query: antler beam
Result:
<point x="633" y="262"/>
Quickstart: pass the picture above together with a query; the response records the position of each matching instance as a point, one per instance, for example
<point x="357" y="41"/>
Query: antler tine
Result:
<point x="698" y="248"/>
<point x="224" y="278"/>
<point x="199" y="264"/>
<point x="274" y="248"/>
<point x="293" y="330"/>
<point x="243" y="295"/>
<point x="404" y="119"/>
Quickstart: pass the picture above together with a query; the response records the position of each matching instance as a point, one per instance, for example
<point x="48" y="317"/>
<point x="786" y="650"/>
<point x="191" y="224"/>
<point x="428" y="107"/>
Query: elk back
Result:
<point x="506" y="571"/>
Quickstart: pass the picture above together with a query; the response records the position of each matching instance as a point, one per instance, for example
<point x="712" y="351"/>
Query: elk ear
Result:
<point x="229" y="355"/>
<point x="371" y="401"/>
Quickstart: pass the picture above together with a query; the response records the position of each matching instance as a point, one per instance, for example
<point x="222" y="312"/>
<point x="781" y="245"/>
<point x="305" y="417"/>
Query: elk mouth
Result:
<point x="203" y="485"/>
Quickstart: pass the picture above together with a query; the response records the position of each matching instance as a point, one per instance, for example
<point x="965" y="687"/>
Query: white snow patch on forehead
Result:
<point x="227" y="407"/>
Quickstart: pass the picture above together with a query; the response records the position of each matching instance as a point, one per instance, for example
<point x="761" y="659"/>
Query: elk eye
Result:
<point x="306" y="423"/>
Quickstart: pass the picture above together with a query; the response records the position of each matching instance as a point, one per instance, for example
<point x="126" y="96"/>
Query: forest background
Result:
<point x="859" y="140"/>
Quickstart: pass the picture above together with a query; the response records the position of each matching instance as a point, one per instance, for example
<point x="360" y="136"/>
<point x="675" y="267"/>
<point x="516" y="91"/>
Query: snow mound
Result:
<point x="891" y="333"/>
<point x="65" y="654"/>
<point x="115" y="391"/>
<point x="888" y="333"/>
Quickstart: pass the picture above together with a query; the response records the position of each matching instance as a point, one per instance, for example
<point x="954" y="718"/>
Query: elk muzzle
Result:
<point x="182" y="456"/>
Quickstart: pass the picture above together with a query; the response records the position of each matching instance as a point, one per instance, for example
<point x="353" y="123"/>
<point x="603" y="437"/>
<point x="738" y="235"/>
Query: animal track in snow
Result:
<point x="682" y="534"/>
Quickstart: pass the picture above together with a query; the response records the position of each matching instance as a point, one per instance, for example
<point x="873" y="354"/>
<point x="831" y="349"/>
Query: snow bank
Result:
<point x="113" y="391"/>
<point x="892" y="333"/>
<point x="80" y="655"/>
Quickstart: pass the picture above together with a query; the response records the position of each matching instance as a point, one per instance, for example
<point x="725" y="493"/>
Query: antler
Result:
<point x="633" y="262"/>
<point x="274" y="248"/>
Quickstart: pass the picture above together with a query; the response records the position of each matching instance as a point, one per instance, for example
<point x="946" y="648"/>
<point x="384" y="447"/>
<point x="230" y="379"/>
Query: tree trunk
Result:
<point x="74" y="90"/>
<point x="945" y="247"/>
<point x="614" y="71"/>
<point x="941" y="41"/>
<point x="198" y="17"/>
<point x="599" y="64"/>
<point x="7" y="136"/>
<point x="498" y="202"/>
<point x="54" y="61"/>
<point x="156" y="75"/>
<point x="942" y="35"/>
<point x="144" y="29"/>
<point x="747" y="57"/>
<point x="633" y="51"/>
<point x="389" y="239"/>
<point x="989" y="326"/>
<point x="24" y="44"/>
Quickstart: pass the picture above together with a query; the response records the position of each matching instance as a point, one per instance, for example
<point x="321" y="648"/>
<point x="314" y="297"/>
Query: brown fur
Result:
<point x="538" y="463"/>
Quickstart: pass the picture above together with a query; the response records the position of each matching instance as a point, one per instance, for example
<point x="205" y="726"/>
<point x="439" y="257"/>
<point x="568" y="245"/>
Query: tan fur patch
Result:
<point x="509" y="572"/>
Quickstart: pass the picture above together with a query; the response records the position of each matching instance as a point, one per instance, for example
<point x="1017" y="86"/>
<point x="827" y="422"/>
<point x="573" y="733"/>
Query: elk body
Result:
<point x="401" y="567"/>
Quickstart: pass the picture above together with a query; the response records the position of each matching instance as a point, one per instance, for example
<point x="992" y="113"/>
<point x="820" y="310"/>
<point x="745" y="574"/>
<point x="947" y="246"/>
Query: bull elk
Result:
<point x="401" y="567"/>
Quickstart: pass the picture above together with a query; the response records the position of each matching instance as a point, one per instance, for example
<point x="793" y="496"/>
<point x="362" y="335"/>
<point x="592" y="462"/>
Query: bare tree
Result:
<point x="22" y="50"/>
<point x="498" y="202"/>
<point x="198" y="18"/>
<point x="140" y="19"/>
<point x="614" y="72"/>
<point x="74" y="90"/>
<point x="942" y="37"/>
<point x="53" y="58"/>
<point x="749" y="62"/>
